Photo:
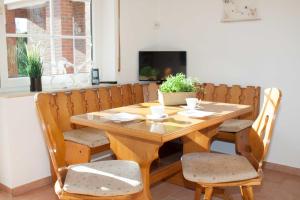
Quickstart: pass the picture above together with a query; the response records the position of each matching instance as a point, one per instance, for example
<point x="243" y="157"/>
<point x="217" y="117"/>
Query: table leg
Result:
<point x="141" y="151"/>
<point x="199" y="141"/>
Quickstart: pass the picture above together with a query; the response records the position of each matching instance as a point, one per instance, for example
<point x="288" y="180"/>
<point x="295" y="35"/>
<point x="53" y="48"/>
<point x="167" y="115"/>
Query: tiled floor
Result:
<point x="276" y="186"/>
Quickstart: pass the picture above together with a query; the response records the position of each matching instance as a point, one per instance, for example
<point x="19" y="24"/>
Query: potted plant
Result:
<point x="31" y="59"/>
<point x="176" y="89"/>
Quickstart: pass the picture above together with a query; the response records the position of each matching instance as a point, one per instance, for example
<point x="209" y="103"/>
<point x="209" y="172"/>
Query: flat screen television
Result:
<point x="157" y="65"/>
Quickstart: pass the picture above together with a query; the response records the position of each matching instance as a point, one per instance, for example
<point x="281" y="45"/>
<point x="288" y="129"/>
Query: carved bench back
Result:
<point x="65" y="104"/>
<point x="233" y="94"/>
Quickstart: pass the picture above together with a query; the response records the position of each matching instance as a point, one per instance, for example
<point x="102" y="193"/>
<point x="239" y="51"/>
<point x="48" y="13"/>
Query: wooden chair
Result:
<point x="211" y="170"/>
<point x="104" y="180"/>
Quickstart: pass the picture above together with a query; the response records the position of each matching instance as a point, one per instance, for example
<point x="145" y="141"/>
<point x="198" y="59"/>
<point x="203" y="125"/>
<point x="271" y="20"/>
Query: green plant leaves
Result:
<point x="31" y="59"/>
<point x="178" y="83"/>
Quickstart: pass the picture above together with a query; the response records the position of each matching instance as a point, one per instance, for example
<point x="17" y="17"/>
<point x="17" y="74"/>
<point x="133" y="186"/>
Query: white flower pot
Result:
<point x="174" y="99"/>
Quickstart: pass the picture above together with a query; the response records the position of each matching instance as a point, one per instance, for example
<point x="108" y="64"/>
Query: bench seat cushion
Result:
<point x="235" y="125"/>
<point x="87" y="136"/>
<point x="216" y="168"/>
<point x="104" y="178"/>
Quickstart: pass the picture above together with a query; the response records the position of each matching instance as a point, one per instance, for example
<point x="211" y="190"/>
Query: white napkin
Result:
<point x="123" y="117"/>
<point x="195" y="113"/>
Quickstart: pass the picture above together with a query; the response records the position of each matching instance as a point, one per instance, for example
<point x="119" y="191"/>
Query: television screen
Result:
<point x="157" y="65"/>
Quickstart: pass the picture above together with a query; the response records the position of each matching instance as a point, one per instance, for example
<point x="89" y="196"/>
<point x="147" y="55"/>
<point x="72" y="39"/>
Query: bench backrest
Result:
<point x="232" y="94"/>
<point x="65" y="104"/>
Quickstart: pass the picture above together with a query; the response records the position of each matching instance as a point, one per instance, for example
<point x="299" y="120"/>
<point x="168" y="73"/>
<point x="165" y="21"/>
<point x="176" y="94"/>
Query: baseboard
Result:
<point x="27" y="187"/>
<point x="5" y="188"/>
<point x="282" y="168"/>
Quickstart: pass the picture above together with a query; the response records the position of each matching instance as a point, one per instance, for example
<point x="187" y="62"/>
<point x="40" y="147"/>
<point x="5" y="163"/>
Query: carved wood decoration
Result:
<point x="64" y="111"/>
<point x="53" y="107"/>
<point x="152" y="92"/>
<point x="92" y="101"/>
<point x="78" y="102"/>
<point x="234" y="95"/>
<point x="146" y="92"/>
<point x="116" y="96"/>
<point x="209" y="90"/>
<point x="105" y="98"/>
<point x="138" y="93"/>
<point x="220" y="93"/>
<point x="249" y="97"/>
<point x="127" y="95"/>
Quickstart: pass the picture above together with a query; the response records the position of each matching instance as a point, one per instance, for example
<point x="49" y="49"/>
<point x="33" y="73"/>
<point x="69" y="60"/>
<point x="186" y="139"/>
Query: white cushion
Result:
<point x="235" y="125"/>
<point x="87" y="136"/>
<point x="216" y="168"/>
<point x="104" y="178"/>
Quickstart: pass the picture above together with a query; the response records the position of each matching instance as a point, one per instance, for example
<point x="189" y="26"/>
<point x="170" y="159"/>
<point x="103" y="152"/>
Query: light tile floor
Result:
<point x="276" y="186"/>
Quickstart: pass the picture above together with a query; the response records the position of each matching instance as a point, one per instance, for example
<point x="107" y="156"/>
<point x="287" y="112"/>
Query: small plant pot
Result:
<point x="174" y="99"/>
<point x="35" y="84"/>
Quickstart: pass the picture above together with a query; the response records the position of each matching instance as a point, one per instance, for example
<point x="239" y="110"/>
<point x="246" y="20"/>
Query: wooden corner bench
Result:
<point x="83" y="142"/>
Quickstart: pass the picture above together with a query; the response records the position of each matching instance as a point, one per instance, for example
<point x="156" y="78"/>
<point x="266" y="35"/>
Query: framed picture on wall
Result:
<point x="240" y="10"/>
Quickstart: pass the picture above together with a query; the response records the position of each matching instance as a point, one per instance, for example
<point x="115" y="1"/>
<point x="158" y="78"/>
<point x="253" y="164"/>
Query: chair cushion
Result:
<point x="235" y="125"/>
<point x="87" y="136"/>
<point x="104" y="178"/>
<point x="216" y="168"/>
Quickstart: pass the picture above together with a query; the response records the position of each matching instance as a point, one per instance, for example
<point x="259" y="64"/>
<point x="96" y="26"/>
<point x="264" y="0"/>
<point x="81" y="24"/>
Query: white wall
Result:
<point x="104" y="38"/>
<point x="137" y="33"/>
<point x="24" y="157"/>
<point x="5" y="165"/>
<point x="264" y="53"/>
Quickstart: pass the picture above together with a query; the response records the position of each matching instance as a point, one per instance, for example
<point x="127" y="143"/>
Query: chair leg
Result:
<point x="243" y="193"/>
<point x="208" y="193"/>
<point x="247" y="192"/>
<point x="198" y="192"/>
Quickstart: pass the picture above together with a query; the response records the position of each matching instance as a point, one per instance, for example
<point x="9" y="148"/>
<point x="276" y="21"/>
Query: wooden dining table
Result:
<point x="140" y="140"/>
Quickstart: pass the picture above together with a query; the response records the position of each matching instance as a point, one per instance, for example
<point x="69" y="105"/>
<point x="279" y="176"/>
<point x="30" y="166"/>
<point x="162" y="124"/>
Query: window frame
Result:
<point x="21" y="83"/>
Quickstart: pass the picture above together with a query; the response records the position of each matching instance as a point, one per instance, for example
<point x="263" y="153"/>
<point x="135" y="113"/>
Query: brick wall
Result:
<point x="69" y="17"/>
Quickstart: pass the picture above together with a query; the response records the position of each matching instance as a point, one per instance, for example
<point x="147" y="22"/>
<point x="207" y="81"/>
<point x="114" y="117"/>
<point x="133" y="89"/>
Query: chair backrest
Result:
<point x="53" y="136"/>
<point x="260" y="134"/>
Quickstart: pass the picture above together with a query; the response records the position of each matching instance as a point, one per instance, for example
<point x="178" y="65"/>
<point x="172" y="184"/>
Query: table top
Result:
<point x="174" y="127"/>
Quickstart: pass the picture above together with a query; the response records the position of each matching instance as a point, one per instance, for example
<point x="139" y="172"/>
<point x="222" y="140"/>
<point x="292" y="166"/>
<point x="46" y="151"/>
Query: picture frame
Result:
<point x="240" y="10"/>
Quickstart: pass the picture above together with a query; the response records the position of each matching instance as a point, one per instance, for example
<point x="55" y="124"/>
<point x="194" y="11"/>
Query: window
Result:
<point x="60" y="28"/>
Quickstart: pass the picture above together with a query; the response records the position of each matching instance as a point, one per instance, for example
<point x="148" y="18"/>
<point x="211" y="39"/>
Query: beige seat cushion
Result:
<point x="216" y="168"/>
<point x="104" y="178"/>
<point x="87" y="136"/>
<point x="235" y="125"/>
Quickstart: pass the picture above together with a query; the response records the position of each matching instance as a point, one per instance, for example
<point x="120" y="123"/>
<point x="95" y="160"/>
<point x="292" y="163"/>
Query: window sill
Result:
<point x="23" y="92"/>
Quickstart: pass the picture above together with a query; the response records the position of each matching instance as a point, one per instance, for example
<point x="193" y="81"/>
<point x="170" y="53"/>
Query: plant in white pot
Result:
<point x="176" y="89"/>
